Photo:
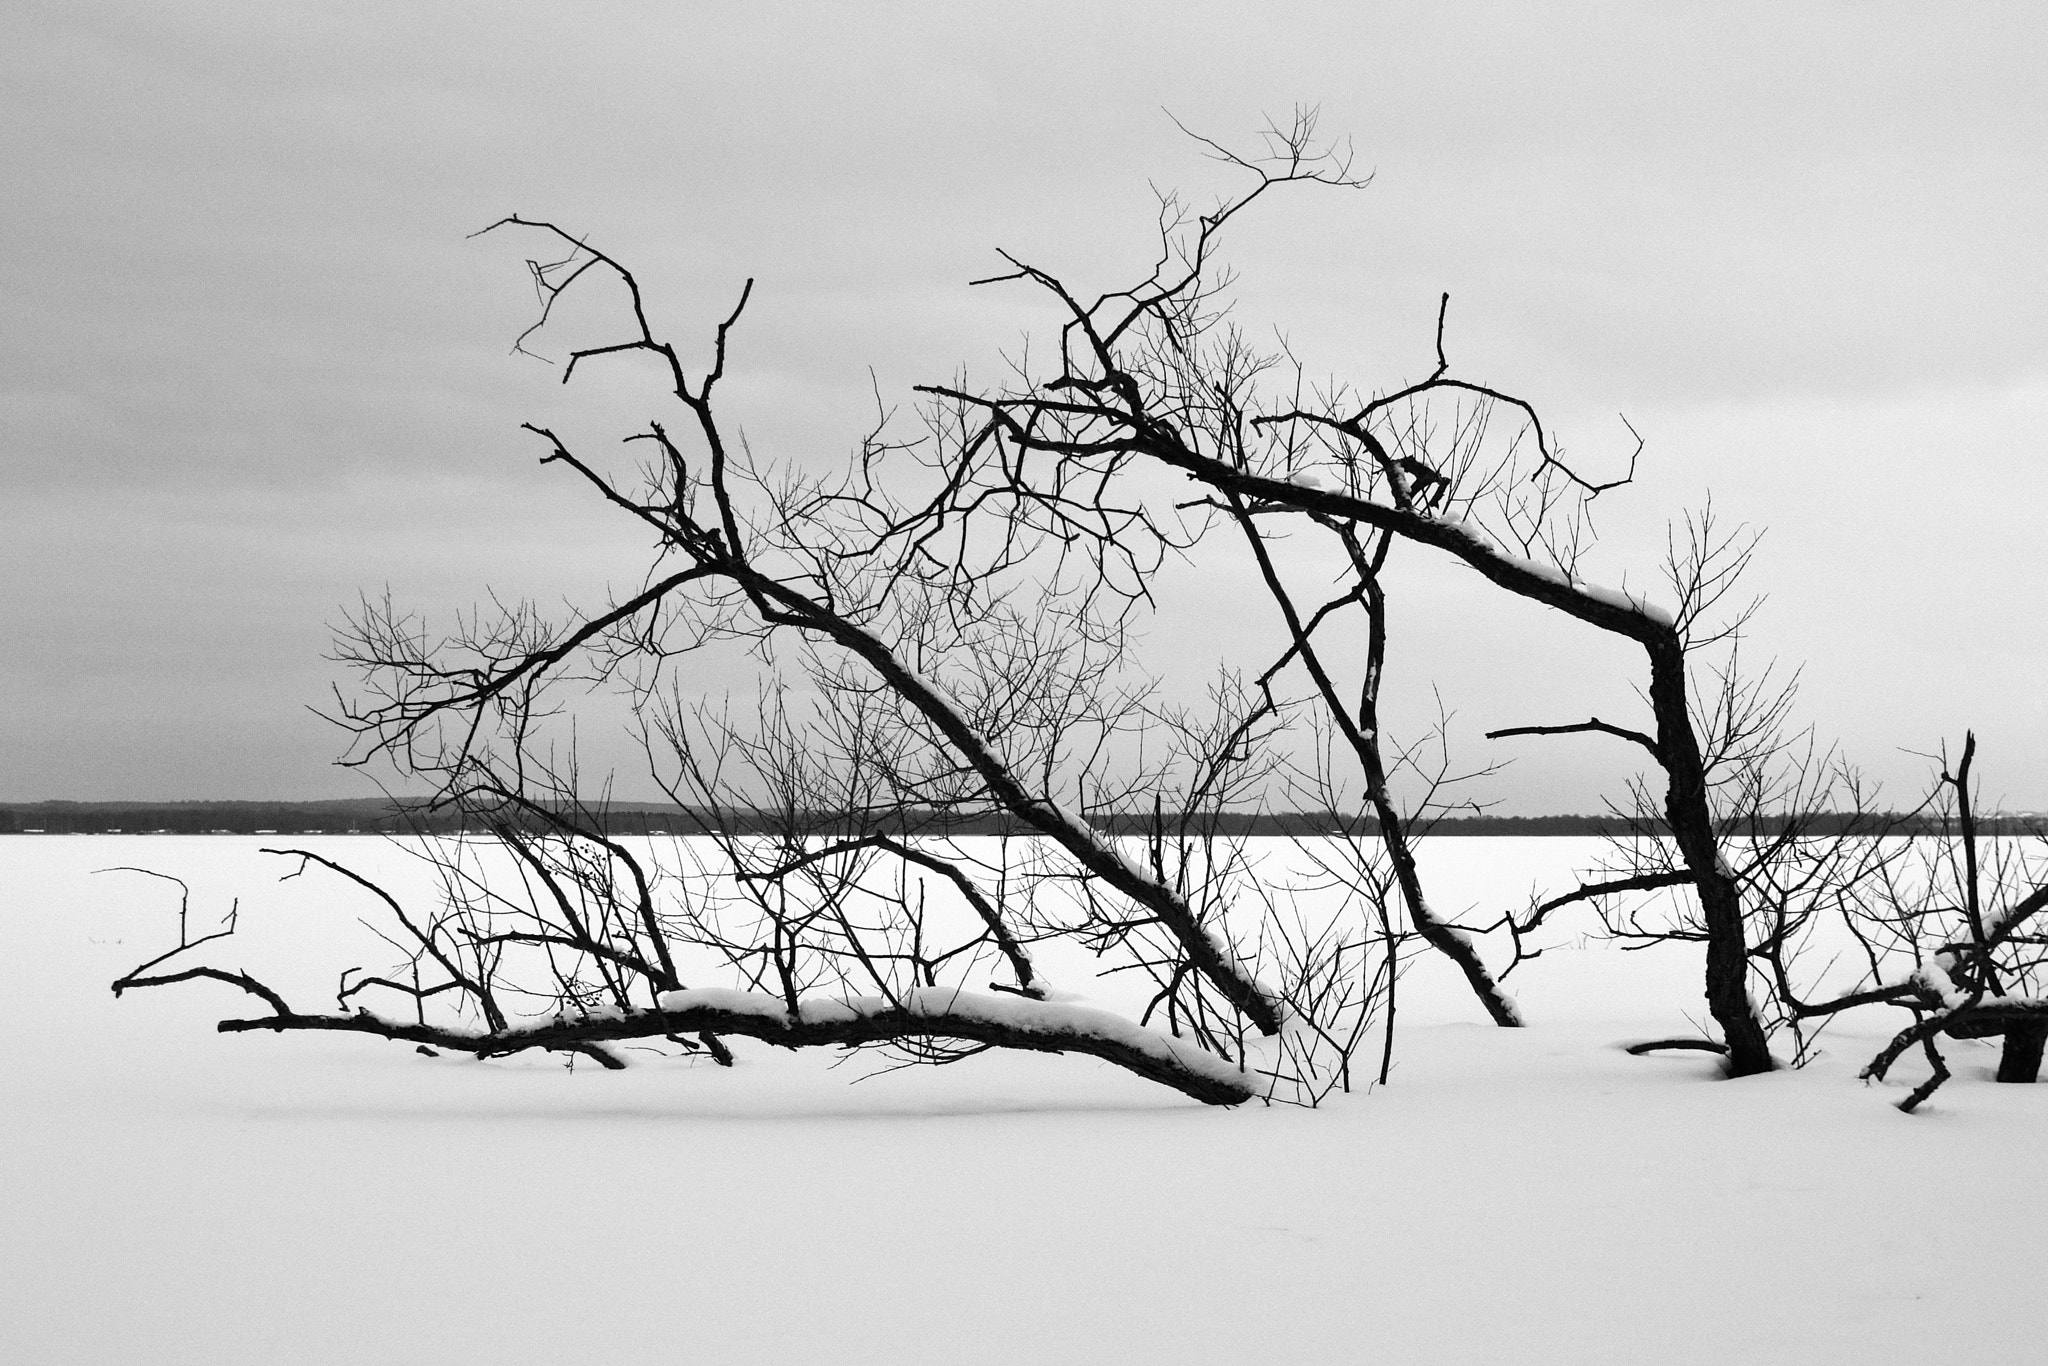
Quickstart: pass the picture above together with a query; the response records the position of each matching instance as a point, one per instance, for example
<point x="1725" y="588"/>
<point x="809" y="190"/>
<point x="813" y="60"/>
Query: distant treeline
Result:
<point x="387" y="816"/>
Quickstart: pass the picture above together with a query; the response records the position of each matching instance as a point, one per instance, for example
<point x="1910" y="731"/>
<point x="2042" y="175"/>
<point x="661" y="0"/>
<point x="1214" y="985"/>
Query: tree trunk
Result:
<point x="2021" y="1059"/>
<point x="1691" y="822"/>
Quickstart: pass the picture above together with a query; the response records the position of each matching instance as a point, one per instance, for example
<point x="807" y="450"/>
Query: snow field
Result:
<point x="1534" y="1195"/>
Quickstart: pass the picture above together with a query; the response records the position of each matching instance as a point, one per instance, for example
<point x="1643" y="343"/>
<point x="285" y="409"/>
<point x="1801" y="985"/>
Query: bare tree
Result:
<point x="1850" y="906"/>
<point x="944" y="631"/>
<point x="1152" y="374"/>
<point x="958" y="639"/>
<point x="1942" y="921"/>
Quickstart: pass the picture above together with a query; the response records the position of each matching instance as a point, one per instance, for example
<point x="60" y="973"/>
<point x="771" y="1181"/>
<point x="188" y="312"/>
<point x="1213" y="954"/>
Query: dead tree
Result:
<point x="1755" y="789"/>
<point x="956" y="607"/>
<point x="1151" y="375"/>
<point x="1851" y="906"/>
<point x="1944" y="925"/>
<point x="1670" y="740"/>
<point x="960" y="666"/>
<point x="1150" y="379"/>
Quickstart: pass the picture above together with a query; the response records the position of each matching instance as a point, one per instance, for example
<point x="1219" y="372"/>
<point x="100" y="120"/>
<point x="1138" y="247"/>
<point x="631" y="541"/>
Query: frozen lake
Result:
<point x="1537" y="1195"/>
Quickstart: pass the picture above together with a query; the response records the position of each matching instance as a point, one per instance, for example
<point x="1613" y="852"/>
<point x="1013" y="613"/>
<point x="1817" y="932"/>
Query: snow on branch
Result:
<point x="1619" y="598"/>
<point x="818" y="1021"/>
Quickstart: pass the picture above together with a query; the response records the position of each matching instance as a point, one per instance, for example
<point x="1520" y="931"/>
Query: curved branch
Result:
<point x="1644" y="882"/>
<point x="1593" y="725"/>
<point x="924" y="1013"/>
<point x="233" y="979"/>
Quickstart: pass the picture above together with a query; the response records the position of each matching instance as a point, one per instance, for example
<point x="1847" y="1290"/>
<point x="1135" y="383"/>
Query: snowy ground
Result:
<point x="174" y="1196"/>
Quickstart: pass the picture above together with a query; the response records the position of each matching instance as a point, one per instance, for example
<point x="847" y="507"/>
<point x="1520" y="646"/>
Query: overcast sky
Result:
<point x="252" y="364"/>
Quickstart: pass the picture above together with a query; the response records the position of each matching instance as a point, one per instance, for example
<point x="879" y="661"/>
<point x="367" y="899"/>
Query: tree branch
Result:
<point x="1582" y="727"/>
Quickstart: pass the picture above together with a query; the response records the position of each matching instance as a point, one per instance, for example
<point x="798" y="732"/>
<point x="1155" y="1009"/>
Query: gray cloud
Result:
<point x="252" y="362"/>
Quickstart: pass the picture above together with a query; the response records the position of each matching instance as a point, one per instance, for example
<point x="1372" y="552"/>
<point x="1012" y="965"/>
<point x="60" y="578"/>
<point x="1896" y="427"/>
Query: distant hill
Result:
<point x="382" y="815"/>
